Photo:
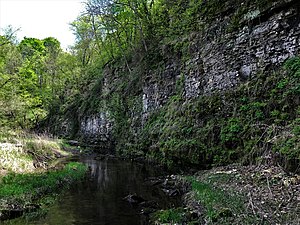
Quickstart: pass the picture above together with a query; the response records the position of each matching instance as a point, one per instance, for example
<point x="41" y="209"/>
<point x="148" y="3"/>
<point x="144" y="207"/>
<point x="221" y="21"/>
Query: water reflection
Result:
<point x="99" y="172"/>
<point x="99" y="199"/>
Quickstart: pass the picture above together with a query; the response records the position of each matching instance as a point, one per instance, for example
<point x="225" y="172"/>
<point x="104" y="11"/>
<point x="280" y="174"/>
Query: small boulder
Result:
<point x="135" y="199"/>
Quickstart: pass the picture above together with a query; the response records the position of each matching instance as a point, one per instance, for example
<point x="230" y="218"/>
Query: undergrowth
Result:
<point x="254" y="123"/>
<point x="173" y="216"/>
<point x="219" y="205"/>
<point x="22" y="152"/>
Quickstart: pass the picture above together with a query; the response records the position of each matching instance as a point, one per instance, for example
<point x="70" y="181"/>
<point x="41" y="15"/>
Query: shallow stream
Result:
<point x="99" y="200"/>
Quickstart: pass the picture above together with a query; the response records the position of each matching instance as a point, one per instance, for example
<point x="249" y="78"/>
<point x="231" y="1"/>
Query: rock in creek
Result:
<point x="73" y="143"/>
<point x="135" y="199"/>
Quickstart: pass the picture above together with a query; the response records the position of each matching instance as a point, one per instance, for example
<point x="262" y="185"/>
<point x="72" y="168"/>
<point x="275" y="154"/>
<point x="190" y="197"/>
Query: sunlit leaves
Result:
<point x="33" y="75"/>
<point x="31" y="46"/>
<point x="113" y="28"/>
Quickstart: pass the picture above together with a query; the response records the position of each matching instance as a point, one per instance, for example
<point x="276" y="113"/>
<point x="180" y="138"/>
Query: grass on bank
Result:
<point x="19" y="185"/>
<point x="173" y="216"/>
<point x="218" y="206"/>
<point x="32" y="194"/>
<point x="30" y="173"/>
<point x="22" y="152"/>
<point x="217" y="203"/>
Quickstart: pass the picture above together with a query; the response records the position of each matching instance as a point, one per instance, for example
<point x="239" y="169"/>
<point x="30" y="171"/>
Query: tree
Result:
<point x="33" y="75"/>
<point x="9" y="36"/>
<point x="125" y="22"/>
<point x="85" y="45"/>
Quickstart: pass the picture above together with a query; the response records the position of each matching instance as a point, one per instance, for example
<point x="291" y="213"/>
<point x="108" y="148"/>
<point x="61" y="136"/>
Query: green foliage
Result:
<point x="173" y="216"/>
<point x="220" y="205"/>
<point x="33" y="76"/>
<point x="231" y="131"/>
<point x="18" y="185"/>
<point x="293" y="66"/>
<point x="254" y="110"/>
<point x="29" y="47"/>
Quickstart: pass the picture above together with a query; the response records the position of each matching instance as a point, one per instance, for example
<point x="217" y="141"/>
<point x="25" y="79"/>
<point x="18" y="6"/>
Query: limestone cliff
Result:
<point x="169" y="106"/>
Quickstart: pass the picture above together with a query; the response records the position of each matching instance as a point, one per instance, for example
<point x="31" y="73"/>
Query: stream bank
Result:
<point x="115" y="191"/>
<point x="34" y="169"/>
<point x="262" y="194"/>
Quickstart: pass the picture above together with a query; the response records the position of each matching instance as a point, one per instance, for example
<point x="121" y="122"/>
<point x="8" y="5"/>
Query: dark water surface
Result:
<point x="100" y="200"/>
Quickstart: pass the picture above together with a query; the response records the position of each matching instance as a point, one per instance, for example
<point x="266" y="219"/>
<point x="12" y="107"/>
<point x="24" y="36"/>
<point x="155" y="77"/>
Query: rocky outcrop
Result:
<point x="96" y="129"/>
<point x="219" y="59"/>
<point x="231" y="48"/>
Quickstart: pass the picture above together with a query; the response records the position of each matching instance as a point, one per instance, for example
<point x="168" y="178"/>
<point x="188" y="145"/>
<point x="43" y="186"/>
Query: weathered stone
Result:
<point x="218" y="58"/>
<point x="222" y="59"/>
<point x="135" y="199"/>
<point x="96" y="127"/>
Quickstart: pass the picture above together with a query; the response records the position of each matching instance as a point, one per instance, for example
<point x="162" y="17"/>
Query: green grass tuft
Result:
<point x="18" y="185"/>
<point x="172" y="216"/>
<point x="220" y="206"/>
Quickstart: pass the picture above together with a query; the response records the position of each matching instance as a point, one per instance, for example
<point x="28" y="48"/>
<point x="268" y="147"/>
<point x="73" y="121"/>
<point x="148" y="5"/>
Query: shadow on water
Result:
<point x="99" y="200"/>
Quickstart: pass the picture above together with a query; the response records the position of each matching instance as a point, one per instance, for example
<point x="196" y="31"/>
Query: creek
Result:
<point x="99" y="199"/>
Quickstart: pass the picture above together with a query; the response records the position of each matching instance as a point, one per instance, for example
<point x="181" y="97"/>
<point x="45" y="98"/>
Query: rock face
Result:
<point x="97" y="127"/>
<point x="220" y="60"/>
<point x="95" y="130"/>
<point x="221" y="56"/>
